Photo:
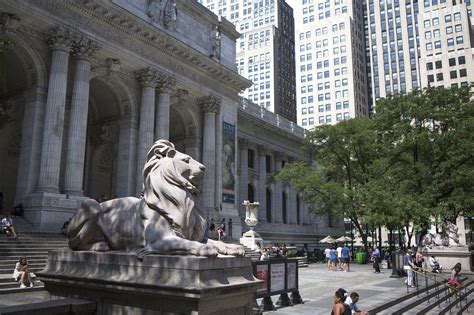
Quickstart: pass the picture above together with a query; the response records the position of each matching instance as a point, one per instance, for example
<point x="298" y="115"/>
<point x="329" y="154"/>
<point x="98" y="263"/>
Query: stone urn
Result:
<point x="251" y="214"/>
<point x="251" y="239"/>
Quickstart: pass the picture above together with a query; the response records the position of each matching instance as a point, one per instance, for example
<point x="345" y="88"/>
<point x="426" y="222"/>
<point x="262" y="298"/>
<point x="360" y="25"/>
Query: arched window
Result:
<point x="251" y="196"/>
<point x="269" y="205"/>
<point x="283" y="207"/>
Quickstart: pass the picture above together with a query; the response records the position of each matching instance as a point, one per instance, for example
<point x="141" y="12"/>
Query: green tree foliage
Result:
<point x="413" y="160"/>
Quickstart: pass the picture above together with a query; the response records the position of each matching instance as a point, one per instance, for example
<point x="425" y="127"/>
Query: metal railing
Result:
<point x="440" y="281"/>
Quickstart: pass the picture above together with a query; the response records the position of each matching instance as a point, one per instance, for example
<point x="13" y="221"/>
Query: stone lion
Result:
<point x="167" y="220"/>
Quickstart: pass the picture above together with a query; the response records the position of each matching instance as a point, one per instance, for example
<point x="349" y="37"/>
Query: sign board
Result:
<point x="277" y="278"/>
<point x="262" y="274"/>
<point x="291" y="275"/>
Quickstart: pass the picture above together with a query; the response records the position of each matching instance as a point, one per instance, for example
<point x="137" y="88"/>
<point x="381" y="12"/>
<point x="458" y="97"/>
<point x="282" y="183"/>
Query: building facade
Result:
<point x="265" y="50"/>
<point x="92" y="84"/>
<point x="330" y="61"/>
<point x="446" y="49"/>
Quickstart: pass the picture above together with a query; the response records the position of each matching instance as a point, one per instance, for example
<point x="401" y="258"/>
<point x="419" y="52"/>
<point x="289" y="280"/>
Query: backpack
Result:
<point x="347" y="310"/>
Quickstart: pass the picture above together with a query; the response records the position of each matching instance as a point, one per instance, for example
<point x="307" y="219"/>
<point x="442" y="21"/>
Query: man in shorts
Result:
<point x="345" y="258"/>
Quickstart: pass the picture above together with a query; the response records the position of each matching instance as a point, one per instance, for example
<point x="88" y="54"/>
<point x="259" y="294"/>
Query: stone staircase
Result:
<point x="35" y="247"/>
<point x="431" y="298"/>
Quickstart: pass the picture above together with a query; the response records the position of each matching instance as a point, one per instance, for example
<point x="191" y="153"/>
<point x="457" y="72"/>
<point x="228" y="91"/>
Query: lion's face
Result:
<point x="188" y="167"/>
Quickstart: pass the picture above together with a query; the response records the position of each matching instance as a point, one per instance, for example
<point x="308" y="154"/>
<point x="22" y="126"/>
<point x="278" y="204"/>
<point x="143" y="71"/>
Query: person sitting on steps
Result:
<point x="22" y="273"/>
<point x="8" y="228"/>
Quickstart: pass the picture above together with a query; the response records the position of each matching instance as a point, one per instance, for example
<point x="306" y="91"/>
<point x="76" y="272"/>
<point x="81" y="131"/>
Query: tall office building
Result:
<point x="391" y="47"/>
<point x="446" y="48"/>
<point x="265" y="50"/>
<point x="330" y="61"/>
<point x="412" y="44"/>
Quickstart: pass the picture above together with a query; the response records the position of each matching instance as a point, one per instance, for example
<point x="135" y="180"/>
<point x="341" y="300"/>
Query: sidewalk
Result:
<point x="317" y="286"/>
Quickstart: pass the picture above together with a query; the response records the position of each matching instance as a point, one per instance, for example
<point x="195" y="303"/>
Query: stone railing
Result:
<point x="271" y="118"/>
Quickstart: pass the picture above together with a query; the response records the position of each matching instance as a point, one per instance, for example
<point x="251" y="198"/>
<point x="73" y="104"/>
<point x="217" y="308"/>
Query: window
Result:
<point x="448" y="18"/>
<point x="321" y="119"/>
<point x="439" y="77"/>
<point x="452" y="62"/>
<point x="437" y="44"/>
<point x="438" y="64"/>
<point x="250" y="156"/>
<point x="458" y="28"/>
<point x="429" y="46"/>
<point x="457" y="16"/>
<point x="453" y="74"/>
<point x="459" y="40"/>
<point x="462" y="60"/>
<point x="462" y="73"/>
<point x="430" y="78"/>
<point x="328" y="118"/>
<point x="450" y="42"/>
<point x="429" y="66"/>
<point x="435" y="21"/>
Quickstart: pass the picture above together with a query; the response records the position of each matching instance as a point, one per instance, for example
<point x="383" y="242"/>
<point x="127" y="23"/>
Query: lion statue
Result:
<point x="167" y="220"/>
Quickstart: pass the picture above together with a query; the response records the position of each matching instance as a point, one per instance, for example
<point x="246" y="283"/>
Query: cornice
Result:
<point x="147" y="35"/>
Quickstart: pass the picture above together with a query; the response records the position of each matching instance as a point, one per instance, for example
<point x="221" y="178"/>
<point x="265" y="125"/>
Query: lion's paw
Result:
<point x="100" y="247"/>
<point x="234" y="249"/>
<point x="207" y="250"/>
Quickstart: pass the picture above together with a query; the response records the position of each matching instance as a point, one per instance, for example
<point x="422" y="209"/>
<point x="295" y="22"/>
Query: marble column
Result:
<point x="83" y="49"/>
<point x="210" y="106"/>
<point x="292" y="215"/>
<point x="162" y="120"/>
<point x="262" y="184"/>
<point x="30" y="151"/>
<point x="148" y="79"/>
<point x="60" y="41"/>
<point x="277" y="209"/>
<point x="127" y="152"/>
<point x="244" y="174"/>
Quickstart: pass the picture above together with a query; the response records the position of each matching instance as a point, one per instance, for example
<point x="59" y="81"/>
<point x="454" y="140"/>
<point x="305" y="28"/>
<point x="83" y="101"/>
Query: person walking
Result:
<point x="376" y="259"/>
<point x="345" y="258"/>
<point x="22" y="273"/>
<point x="408" y="266"/>
<point x="327" y="254"/>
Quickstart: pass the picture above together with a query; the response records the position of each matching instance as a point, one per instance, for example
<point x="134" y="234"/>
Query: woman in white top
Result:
<point x="21" y="273"/>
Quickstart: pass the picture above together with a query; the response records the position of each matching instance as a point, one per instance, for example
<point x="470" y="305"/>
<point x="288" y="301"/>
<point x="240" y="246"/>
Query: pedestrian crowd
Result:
<point x="338" y="258"/>
<point x="219" y="232"/>
<point x="277" y="251"/>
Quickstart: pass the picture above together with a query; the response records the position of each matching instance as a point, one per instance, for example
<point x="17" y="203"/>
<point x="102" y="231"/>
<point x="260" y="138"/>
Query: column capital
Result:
<point x="278" y="156"/>
<point x="243" y="143"/>
<point x="166" y="84"/>
<point x="83" y="48"/>
<point x="147" y="77"/>
<point x="59" y="38"/>
<point x="262" y="151"/>
<point x="209" y="104"/>
<point x="9" y="23"/>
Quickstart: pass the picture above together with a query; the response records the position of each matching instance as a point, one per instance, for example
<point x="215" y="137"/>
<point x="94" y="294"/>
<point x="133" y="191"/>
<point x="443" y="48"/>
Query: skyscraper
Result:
<point x="265" y="50"/>
<point x="330" y="61"/>
<point x="445" y="44"/>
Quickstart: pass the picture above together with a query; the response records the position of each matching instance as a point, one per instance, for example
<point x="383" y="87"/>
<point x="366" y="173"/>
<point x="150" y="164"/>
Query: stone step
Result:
<point x="40" y="256"/>
<point x="15" y="290"/>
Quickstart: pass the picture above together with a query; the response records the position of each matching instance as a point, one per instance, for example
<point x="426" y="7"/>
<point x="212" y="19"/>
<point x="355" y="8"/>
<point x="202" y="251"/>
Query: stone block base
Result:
<point x="449" y="256"/>
<point x="47" y="212"/>
<point x="120" y="284"/>
<point x="252" y="240"/>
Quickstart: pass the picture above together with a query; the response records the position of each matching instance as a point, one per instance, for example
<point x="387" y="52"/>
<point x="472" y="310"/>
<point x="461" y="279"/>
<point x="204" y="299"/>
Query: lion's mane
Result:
<point x="172" y="195"/>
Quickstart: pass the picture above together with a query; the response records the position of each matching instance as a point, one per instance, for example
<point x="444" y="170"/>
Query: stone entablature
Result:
<point x="269" y="119"/>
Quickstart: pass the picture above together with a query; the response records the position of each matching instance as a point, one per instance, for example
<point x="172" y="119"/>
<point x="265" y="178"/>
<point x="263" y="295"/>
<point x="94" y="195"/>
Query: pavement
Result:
<point x="316" y="286"/>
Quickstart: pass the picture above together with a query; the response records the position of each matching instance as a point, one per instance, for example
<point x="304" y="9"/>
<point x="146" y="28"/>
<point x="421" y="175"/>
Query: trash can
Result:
<point x="360" y="258"/>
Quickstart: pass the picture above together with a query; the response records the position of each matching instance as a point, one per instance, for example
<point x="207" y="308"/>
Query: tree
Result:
<point x="428" y="136"/>
<point x="335" y="183"/>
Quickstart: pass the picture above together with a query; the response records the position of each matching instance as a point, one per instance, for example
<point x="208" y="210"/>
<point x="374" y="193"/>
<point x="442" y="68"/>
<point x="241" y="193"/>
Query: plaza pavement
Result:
<point x="316" y="284"/>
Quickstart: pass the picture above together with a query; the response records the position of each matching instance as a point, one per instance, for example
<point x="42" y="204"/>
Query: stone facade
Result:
<point x="93" y="83"/>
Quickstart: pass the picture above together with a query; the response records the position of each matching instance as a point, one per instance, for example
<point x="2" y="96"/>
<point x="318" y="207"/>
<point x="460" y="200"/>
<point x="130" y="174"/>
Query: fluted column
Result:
<point x="277" y="210"/>
<point x="148" y="79"/>
<point x="262" y="184"/>
<point x="60" y="42"/>
<point x="162" y="120"/>
<point x="83" y="48"/>
<point x="244" y="173"/>
<point x="292" y="215"/>
<point x="210" y="106"/>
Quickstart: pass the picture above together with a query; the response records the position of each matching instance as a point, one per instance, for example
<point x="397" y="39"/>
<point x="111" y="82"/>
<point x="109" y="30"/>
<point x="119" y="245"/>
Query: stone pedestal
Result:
<point x="250" y="239"/>
<point x="121" y="284"/>
<point x="449" y="256"/>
